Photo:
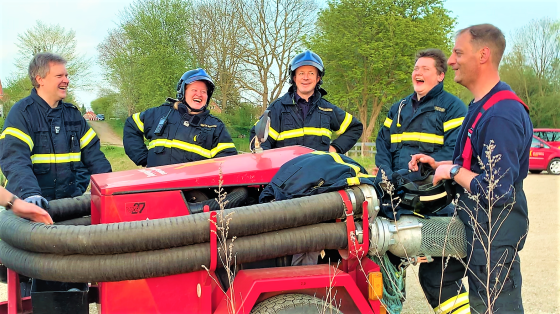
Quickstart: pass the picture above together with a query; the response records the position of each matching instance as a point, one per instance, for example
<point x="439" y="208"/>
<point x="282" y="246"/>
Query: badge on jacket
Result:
<point x="186" y="123"/>
<point x="56" y="129"/>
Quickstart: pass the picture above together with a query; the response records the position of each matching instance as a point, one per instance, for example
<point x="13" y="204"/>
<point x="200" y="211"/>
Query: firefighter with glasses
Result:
<point x="181" y="130"/>
<point x="303" y="117"/>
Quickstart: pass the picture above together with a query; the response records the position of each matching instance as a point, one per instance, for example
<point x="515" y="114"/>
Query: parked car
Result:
<point x="543" y="157"/>
<point x="100" y="116"/>
<point x="550" y="136"/>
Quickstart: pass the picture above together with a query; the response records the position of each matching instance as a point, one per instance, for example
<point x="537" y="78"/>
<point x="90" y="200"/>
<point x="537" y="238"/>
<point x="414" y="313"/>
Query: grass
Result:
<point x="117" y="125"/>
<point x="118" y="158"/>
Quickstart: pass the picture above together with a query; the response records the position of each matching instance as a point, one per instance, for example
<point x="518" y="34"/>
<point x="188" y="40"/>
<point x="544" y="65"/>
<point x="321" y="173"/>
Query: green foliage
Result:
<point x="239" y="118"/>
<point x="53" y="38"/>
<point x="532" y="69"/>
<point x="117" y="125"/>
<point x="105" y="105"/>
<point x="368" y="48"/>
<point x="146" y="55"/>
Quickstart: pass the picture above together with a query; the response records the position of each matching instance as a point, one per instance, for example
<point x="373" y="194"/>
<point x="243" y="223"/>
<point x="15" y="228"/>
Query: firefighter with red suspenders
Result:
<point x="496" y="118"/>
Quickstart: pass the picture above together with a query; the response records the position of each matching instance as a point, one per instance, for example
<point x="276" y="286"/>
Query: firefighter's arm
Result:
<point x="453" y="120"/>
<point x="90" y="146"/>
<point x="133" y="139"/>
<point x="383" y="156"/>
<point x="348" y="128"/>
<point x="222" y="143"/>
<point x="16" y="146"/>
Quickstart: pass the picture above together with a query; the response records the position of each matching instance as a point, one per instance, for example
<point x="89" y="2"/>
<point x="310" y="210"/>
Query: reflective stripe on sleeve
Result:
<point x="453" y="123"/>
<point x="345" y="124"/>
<point x="86" y="139"/>
<point x="19" y="134"/>
<point x="139" y="123"/>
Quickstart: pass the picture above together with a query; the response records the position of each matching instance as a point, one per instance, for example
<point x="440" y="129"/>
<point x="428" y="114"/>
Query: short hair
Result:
<point x="437" y="55"/>
<point x="490" y="36"/>
<point x="40" y="65"/>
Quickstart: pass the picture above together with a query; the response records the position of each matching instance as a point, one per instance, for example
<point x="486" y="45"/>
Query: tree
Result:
<point x="273" y="29"/>
<point x="532" y="69"/>
<point x="368" y="48"/>
<point x="216" y="42"/>
<point x="56" y="39"/>
<point x="147" y="54"/>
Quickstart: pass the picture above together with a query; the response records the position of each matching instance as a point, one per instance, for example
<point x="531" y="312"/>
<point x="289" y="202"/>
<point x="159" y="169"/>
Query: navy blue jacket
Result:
<point x="185" y="138"/>
<point x="287" y="127"/>
<point x="432" y="129"/>
<point x="42" y="148"/>
<point x="507" y="125"/>
<point x="314" y="173"/>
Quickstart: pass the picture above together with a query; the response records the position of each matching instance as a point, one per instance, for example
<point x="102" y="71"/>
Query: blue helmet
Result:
<point x="192" y="76"/>
<point x="307" y="58"/>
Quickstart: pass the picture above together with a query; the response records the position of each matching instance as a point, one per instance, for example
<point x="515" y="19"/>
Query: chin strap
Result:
<point x="195" y="110"/>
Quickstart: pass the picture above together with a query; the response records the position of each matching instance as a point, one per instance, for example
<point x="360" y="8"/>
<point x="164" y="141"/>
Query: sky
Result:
<point x="92" y="20"/>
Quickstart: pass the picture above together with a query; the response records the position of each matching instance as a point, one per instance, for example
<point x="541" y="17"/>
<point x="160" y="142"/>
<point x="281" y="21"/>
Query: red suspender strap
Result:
<point x="497" y="97"/>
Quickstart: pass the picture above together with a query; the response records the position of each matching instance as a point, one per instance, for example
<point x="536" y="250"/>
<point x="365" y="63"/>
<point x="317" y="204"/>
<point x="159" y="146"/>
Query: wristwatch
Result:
<point x="11" y="202"/>
<point x="454" y="171"/>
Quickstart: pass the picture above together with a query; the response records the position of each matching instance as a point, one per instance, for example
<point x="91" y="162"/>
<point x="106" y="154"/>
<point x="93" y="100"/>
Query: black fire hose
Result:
<point x="131" y="266"/>
<point x="149" y="235"/>
<point x="70" y="208"/>
<point x="234" y="198"/>
<point x="82" y="221"/>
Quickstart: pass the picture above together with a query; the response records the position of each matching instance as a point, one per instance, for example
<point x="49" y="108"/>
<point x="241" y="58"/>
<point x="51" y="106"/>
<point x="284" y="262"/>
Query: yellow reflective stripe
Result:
<point x="139" y="123"/>
<point x="339" y="160"/>
<point x="466" y="309"/>
<point x="302" y="132"/>
<point x="220" y="147"/>
<point x="432" y="197"/>
<point x="18" y="134"/>
<point x="417" y="137"/>
<point x="190" y="147"/>
<point x="273" y="133"/>
<point x="86" y="139"/>
<point x="345" y="124"/>
<point x="353" y="181"/>
<point x="388" y="122"/>
<point x="452" y="303"/>
<point x="453" y="123"/>
<point x="55" y="158"/>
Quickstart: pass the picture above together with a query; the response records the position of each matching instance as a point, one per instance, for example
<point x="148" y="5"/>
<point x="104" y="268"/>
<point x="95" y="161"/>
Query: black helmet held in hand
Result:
<point x="417" y="192"/>
<point x="192" y="76"/>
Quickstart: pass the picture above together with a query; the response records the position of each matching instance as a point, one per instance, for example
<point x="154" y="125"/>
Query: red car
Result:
<point x="543" y="157"/>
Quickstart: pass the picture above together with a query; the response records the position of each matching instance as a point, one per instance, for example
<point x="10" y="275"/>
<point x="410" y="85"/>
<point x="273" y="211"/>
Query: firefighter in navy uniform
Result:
<point x="46" y="143"/>
<point x="303" y="117"/>
<point x="427" y="122"/>
<point x="181" y="130"/>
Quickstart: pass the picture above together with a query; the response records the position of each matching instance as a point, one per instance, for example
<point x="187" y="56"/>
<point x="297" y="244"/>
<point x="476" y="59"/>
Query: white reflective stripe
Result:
<point x="18" y="134"/>
<point x="139" y="123"/>
<point x="345" y="124"/>
<point x="388" y="122"/>
<point x="433" y="197"/>
<point x="86" y="139"/>
<point x="452" y="303"/>
<point x="190" y="147"/>
<point x="302" y="132"/>
<point x="466" y="309"/>
<point x="453" y="123"/>
<point x="55" y="158"/>
<point x="417" y="137"/>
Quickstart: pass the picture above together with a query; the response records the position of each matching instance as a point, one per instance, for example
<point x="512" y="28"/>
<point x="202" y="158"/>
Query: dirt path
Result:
<point x="106" y="133"/>
<point x="539" y="259"/>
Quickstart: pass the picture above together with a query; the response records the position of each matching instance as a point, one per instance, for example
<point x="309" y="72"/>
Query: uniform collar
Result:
<point x="42" y="103"/>
<point x="433" y="93"/>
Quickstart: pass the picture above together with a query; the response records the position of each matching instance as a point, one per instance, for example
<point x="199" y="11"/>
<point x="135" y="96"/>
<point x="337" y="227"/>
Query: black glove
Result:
<point x="39" y="201"/>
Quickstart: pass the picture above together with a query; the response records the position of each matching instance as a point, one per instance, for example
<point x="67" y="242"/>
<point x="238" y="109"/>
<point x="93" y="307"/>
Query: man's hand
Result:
<point x="31" y="211"/>
<point x="442" y="173"/>
<point x="332" y="149"/>
<point x="413" y="163"/>
<point x="38" y="200"/>
<point x="374" y="171"/>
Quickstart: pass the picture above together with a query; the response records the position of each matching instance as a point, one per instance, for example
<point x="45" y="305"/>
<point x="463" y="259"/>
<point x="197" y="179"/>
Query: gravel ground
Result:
<point x="539" y="258"/>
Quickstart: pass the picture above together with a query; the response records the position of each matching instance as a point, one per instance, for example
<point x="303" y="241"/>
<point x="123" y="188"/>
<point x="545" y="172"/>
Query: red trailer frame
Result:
<point x="153" y="193"/>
